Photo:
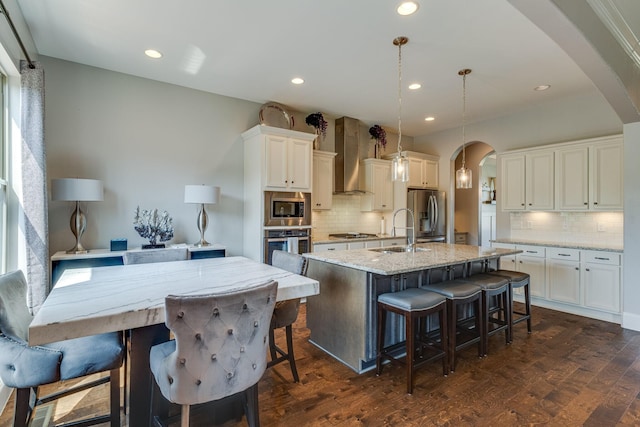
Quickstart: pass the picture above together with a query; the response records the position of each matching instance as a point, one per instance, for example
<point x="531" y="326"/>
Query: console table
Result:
<point x="61" y="261"/>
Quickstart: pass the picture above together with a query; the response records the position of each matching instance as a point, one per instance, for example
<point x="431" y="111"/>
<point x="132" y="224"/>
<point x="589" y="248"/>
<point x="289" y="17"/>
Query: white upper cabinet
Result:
<point x="527" y="182"/>
<point x="323" y="183"/>
<point x="288" y="163"/>
<point x="280" y="158"/>
<point x="606" y="184"/>
<point x="590" y="177"/>
<point x="423" y="169"/>
<point x="375" y="176"/>
<point x="576" y="176"/>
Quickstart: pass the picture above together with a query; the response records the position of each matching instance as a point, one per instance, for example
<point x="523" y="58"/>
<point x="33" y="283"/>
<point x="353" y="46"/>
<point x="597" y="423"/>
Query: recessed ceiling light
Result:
<point x="429" y="119"/>
<point x="297" y="81"/>
<point x="541" y="87"/>
<point x="152" y="53"/>
<point x="407" y="8"/>
<point x="414" y="86"/>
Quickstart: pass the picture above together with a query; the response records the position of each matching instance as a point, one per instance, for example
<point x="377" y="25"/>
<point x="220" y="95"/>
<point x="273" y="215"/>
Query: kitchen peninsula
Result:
<point x="342" y="318"/>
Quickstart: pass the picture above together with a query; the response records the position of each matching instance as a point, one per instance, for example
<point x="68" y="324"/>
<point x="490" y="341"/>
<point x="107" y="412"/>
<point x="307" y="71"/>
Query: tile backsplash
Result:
<point x="568" y="227"/>
<point x="345" y="216"/>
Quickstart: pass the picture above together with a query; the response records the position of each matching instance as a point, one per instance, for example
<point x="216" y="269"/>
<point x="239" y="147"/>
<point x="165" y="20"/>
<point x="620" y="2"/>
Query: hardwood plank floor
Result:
<point x="571" y="371"/>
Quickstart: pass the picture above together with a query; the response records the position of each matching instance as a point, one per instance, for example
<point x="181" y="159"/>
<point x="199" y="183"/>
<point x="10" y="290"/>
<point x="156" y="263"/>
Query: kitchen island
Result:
<point x="343" y="317"/>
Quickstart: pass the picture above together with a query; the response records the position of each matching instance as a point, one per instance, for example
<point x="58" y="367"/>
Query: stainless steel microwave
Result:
<point x="287" y="209"/>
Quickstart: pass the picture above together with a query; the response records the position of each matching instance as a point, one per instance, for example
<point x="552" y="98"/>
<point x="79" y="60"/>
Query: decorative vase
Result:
<point x="316" y="142"/>
<point x="376" y="151"/>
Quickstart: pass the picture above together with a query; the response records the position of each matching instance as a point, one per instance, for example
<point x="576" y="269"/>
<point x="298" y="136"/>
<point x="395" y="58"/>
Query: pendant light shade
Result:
<point x="400" y="163"/>
<point x="464" y="176"/>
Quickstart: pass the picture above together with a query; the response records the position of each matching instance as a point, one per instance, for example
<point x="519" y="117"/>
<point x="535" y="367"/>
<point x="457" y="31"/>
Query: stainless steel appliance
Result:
<point x="294" y="240"/>
<point x="428" y="207"/>
<point x="287" y="209"/>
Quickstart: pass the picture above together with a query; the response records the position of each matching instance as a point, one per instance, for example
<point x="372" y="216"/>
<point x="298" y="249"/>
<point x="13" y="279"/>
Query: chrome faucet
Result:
<point x="411" y="243"/>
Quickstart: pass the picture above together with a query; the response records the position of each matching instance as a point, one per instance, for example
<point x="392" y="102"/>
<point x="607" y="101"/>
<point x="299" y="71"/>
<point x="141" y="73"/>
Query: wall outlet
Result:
<point x="601" y="227"/>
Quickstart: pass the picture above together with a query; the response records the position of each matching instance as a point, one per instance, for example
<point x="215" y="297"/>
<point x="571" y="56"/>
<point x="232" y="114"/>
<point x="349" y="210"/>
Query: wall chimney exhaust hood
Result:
<point x="348" y="156"/>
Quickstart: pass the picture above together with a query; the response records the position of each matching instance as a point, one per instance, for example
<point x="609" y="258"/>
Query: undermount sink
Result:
<point x="396" y="249"/>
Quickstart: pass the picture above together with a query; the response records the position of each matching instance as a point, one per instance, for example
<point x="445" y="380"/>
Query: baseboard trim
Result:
<point x="631" y="321"/>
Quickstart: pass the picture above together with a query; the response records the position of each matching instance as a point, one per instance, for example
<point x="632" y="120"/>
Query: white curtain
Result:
<point x="34" y="185"/>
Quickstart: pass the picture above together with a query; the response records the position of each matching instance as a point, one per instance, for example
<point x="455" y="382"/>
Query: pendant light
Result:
<point x="400" y="163"/>
<point x="464" y="176"/>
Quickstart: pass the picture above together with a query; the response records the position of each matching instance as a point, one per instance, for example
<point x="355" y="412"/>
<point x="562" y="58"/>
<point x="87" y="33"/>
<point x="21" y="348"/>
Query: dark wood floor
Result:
<point x="572" y="371"/>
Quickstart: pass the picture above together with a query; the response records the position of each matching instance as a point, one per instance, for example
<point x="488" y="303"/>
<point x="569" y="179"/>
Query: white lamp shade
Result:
<point x="76" y="189"/>
<point x="201" y="194"/>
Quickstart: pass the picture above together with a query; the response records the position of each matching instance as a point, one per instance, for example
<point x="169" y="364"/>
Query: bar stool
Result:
<point x="458" y="292"/>
<point x="413" y="304"/>
<point x="493" y="287"/>
<point x="518" y="279"/>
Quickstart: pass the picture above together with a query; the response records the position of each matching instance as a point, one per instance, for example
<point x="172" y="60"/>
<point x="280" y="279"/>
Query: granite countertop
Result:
<point x="571" y="245"/>
<point x="324" y="238"/>
<point x="427" y="255"/>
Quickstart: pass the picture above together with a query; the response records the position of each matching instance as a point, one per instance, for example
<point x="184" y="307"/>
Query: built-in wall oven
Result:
<point x="295" y="240"/>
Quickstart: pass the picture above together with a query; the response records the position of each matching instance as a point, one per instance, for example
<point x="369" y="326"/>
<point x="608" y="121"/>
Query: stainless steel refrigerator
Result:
<point x="428" y="207"/>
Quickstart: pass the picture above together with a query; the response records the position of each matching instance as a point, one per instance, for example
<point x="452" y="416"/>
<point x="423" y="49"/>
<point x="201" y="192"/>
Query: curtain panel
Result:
<point x="34" y="185"/>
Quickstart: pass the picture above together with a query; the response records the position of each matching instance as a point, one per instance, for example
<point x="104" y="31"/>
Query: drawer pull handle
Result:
<point x="532" y="252"/>
<point x="602" y="258"/>
<point x="564" y="255"/>
<point x="331" y="249"/>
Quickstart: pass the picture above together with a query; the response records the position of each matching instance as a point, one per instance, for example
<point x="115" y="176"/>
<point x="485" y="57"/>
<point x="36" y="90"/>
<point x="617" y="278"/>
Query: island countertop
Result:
<point x="426" y="256"/>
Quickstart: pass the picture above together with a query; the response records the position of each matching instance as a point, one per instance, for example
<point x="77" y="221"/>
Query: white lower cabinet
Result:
<point x="329" y="247"/>
<point x="319" y="247"/>
<point x="583" y="282"/>
<point x="601" y="278"/>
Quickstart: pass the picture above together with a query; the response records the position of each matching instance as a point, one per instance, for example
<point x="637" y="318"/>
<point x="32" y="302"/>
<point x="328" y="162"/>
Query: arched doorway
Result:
<point x="466" y="204"/>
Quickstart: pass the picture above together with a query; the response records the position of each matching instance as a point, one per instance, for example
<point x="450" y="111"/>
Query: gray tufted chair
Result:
<point x="286" y="312"/>
<point x="145" y="256"/>
<point x="220" y="347"/>
<point x="27" y="367"/>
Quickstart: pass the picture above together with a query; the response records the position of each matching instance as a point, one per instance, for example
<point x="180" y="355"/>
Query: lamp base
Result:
<point x="201" y="243"/>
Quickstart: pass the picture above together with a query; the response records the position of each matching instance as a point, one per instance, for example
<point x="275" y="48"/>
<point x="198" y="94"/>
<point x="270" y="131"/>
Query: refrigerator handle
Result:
<point x="434" y="214"/>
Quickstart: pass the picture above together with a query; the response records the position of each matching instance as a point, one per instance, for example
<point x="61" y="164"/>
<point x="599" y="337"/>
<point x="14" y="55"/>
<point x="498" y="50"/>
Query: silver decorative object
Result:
<point x="153" y="225"/>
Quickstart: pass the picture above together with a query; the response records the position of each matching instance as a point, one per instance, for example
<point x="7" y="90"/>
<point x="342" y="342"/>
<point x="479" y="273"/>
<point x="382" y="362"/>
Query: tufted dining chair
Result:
<point x="145" y="256"/>
<point x="219" y="350"/>
<point x="26" y="367"/>
<point x="285" y="313"/>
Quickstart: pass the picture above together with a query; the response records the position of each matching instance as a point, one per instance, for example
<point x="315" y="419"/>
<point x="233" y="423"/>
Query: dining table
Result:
<point x="90" y="301"/>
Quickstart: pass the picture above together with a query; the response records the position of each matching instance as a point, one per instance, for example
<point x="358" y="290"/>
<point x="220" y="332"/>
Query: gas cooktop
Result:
<point x="352" y="235"/>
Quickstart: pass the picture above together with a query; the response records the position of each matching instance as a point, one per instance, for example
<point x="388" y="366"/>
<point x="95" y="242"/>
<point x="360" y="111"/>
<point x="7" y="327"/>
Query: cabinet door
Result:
<point x="535" y="267"/>
<point x="539" y="180"/>
<point x="430" y="173"/>
<point x="416" y="169"/>
<point x="512" y="182"/>
<point x="382" y="187"/>
<point x="602" y="287"/>
<point x="564" y="280"/>
<point x="329" y="247"/>
<point x="276" y="170"/>
<point x="572" y="182"/>
<point x="322" y="194"/>
<point x="299" y="164"/>
<point x="607" y="176"/>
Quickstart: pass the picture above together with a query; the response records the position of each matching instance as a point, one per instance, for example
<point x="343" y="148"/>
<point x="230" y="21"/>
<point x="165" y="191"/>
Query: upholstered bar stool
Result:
<point x="414" y="304"/>
<point x="461" y="293"/>
<point x="518" y="279"/>
<point x="493" y="287"/>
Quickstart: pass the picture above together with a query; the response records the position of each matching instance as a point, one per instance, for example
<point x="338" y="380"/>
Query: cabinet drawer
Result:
<point x="599" y="257"/>
<point x="329" y="247"/>
<point x="564" y="253"/>
<point x="535" y="251"/>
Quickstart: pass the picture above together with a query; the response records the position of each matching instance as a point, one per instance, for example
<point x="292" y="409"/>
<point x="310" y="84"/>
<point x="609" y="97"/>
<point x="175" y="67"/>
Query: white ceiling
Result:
<point x="343" y="49"/>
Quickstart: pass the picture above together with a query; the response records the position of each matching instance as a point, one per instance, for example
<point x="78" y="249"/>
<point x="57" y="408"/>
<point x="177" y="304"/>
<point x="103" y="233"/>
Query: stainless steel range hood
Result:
<point x="348" y="156"/>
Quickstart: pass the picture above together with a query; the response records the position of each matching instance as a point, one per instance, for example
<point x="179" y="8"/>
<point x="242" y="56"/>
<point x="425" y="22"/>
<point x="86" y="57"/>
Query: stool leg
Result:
<point x="510" y="312"/>
<point x="451" y="306"/>
<point x="409" y="323"/>
<point x="527" y="300"/>
<point x="444" y="339"/>
<point x="480" y="325"/>
<point x="382" y="321"/>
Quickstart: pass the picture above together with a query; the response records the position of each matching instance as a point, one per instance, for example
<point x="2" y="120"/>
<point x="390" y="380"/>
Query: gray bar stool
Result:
<point x="414" y="304"/>
<point x="458" y="292"/>
<point x="493" y="287"/>
<point x="518" y="279"/>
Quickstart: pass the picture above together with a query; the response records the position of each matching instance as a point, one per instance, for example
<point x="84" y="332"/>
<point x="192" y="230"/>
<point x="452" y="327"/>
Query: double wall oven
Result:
<point x="287" y="223"/>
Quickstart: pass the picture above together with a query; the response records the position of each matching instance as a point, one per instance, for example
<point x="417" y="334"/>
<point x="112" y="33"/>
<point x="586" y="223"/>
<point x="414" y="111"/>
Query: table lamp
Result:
<point x="201" y="194"/>
<point x="77" y="190"/>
